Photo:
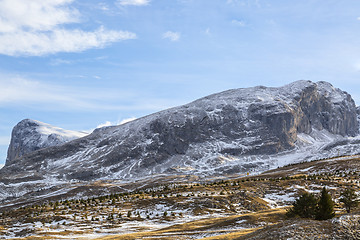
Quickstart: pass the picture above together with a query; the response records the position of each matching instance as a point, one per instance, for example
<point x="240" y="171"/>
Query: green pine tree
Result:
<point x="325" y="206"/>
<point x="304" y="207"/>
<point x="349" y="198"/>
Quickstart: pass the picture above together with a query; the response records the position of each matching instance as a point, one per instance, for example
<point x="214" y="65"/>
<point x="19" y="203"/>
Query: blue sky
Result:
<point x="79" y="64"/>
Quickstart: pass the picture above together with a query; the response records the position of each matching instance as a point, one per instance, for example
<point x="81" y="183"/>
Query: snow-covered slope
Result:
<point x="232" y="132"/>
<point x="31" y="135"/>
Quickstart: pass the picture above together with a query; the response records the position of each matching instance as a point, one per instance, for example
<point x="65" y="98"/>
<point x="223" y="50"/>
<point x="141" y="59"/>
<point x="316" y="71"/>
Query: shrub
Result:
<point x="325" y="206"/>
<point x="349" y="199"/>
<point x="304" y="207"/>
<point x="308" y="206"/>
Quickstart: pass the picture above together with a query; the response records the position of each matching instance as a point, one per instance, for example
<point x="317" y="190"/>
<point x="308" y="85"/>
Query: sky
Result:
<point x="80" y="64"/>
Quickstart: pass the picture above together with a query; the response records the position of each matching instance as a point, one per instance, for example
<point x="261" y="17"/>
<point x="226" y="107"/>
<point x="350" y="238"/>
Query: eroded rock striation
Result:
<point x="199" y="137"/>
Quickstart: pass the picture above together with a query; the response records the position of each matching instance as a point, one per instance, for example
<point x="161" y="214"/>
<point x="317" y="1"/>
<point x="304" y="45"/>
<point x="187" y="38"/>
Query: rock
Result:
<point x="215" y="135"/>
<point x="30" y="135"/>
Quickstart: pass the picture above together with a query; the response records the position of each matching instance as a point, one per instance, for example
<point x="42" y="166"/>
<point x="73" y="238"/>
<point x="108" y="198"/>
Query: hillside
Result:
<point x="250" y="207"/>
<point x="232" y="132"/>
<point x="225" y="166"/>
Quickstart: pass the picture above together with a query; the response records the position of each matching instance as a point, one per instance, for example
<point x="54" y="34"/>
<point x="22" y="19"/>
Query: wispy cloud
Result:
<point x="18" y="91"/>
<point x="105" y="124"/>
<point x="126" y="120"/>
<point x="35" y="28"/>
<point x="207" y="31"/>
<point x="239" y="23"/>
<point x="172" y="36"/>
<point x="35" y="15"/>
<point x="103" y="7"/>
<point x="4" y="140"/>
<point x="133" y="2"/>
<point x="120" y="122"/>
<point x="61" y="61"/>
<point x="244" y="2"/>
<point x="238" y="2"/>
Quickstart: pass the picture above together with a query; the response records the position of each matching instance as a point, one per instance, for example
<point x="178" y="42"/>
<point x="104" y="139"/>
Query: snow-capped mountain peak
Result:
<point x="233" y="132"/>
<point x="31" y="135"/>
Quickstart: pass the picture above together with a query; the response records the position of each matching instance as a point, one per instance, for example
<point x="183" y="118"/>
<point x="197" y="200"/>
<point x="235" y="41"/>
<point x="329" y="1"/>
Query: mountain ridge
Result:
<point x="31" y="135"/>
<point x="223" y="133"/>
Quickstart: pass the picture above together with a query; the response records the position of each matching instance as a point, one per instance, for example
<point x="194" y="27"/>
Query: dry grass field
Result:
<point x="213" y="209"/>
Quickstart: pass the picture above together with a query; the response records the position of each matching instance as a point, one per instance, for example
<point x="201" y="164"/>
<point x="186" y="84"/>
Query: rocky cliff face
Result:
<point x="30" y="135"/>
<point x="219" y="134"/>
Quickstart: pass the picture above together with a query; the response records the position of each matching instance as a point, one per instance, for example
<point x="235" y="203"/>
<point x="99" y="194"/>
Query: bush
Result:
<point x="308" y="206"/>
<point x="349" y="198"/>
<point x="304" y="207"/>
<point x="325" y="206"/>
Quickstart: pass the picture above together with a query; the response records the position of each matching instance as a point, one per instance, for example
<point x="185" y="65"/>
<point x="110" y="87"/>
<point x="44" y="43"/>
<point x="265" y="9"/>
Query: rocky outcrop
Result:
<point x="202" y="136"/>
<point x="30" y="135"/>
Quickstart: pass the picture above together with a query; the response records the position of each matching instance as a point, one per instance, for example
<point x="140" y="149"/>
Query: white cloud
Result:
<point x="38" y="27"/>
<point x="133" y="2"/>
<point x="238" y="23"/>
<point x="357" y="66"/>
<point x="4" y="141"/>
<point x="36" y="15"/>
<point x="108" y="123"/>
<point x="59" y="40"/>
<point x="244" y="3"/>
<point x="18" y="91"/>
<point x="207" y="32"/>
<point x="238" y="2"/>
<point x="103" y="7"/>
<point x="126" y="120"/>
<point x="59" y="61"/>
<point x="29" y="93"/>
<point x="105" y="124"/>
<point x="172" y="36"/>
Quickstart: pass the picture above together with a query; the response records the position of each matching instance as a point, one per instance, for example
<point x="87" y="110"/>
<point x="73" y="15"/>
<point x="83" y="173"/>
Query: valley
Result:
<point x="237" y="208"/>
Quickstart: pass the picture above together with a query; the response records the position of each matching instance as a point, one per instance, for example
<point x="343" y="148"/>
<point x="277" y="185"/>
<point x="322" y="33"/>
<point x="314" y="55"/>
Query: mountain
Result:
<point x="31" y="135"/>
<point x="232" y="132"/>
<point x="143" y="173"/>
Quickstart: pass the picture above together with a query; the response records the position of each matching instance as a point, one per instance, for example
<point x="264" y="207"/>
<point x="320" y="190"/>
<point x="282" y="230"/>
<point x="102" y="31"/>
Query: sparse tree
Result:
<point x="349" y="198"/>
<point x="325" y="206"/>
<point x="304" y="207"/>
